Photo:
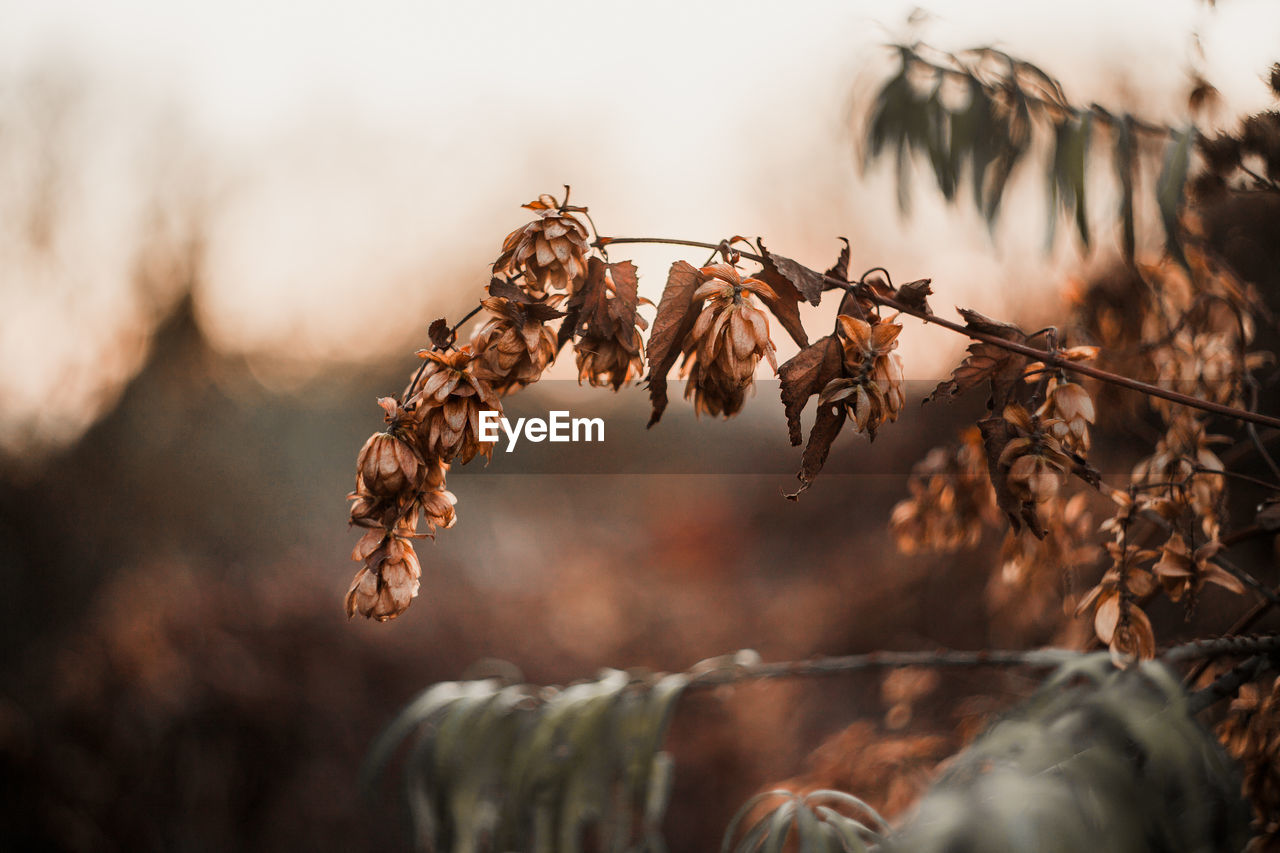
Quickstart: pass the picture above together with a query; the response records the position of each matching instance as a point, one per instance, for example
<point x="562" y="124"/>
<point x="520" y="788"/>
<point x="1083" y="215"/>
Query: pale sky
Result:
<point x="358" y="164"/>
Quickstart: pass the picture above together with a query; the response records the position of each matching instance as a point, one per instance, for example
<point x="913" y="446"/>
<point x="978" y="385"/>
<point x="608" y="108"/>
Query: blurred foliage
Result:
<point x="498" y="767"/>
<point x="978" y="112"/>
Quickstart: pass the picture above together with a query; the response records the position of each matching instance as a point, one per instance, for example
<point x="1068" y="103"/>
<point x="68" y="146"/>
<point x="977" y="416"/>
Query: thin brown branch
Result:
<point x="1050" y="359"/>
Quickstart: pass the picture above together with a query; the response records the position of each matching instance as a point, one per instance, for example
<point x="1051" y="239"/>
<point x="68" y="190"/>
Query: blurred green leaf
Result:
<point x="499" y="768"/>
<point x="1071" y="139"/>
<point x="1125" y="167"/>
<point x="1171" y="185"/>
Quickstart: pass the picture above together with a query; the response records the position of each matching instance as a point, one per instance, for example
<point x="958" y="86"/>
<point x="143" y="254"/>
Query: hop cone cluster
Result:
<point x="400" y="477"/>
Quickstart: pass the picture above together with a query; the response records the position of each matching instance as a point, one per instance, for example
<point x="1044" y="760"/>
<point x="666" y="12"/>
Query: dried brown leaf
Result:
<point x="804" y="375"/>
<point x="785" y="304"/>
<point x="440" y="334"/>
<point x="594" y="318"/>
<point x="674" y="320"/>
<point x="840" y="269"/>
<point x="997" y="433"/>
<point x="626" y="295"/>
<point x="986" y="361"/>
<point x="507" y="290"/>
<point x="809" y="283"/>
<point x="826" y="426"/>
<point x="915" y="295"/>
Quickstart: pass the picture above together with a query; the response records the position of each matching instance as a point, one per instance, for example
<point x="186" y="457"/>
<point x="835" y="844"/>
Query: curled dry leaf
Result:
<point x="826" y="426"/>
<point x="791" y="282"/>
<point x="440" y="333"/>
<point x="914" y="295"/>
<point x="986" y="361"/>
<point x="840" y="269"/>
<point x="808" y="283"/>
<point x="805" y="374"/>
<point x="674" y="321"/>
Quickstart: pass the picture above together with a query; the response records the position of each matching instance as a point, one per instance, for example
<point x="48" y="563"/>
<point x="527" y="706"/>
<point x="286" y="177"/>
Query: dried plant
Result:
<point x="1175" y="345"/>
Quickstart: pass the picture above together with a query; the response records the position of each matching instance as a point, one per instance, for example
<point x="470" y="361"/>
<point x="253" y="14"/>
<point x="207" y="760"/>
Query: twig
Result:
<point x="1220" y="646"/>
<point x="729" y="672"/>
<point x="1049" y="358"/>
<point x="1227" y="684"/>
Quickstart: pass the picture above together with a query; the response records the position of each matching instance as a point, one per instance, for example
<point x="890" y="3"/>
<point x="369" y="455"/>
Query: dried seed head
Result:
<point x="388" y="466"/>
<point x="376" y="511"/>
<point x="728" y="339"/>
<point x="387" y="583"/>
<point x="1251" y="735"/>
<point x="1183" y="571"/>
<point x="1070" y="409"/>
<point x="951" y="499"/>
<point x="871" y="388"/>
<point x="551" y="252"/>
<point x="512" y="350"/>
<point x="1035" y="466"/>
<point x="447" y="401"/>
<point x="611" y="361"/>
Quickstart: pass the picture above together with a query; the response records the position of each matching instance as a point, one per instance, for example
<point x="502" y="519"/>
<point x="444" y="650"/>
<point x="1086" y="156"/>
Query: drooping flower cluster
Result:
<point x="871" y="389"/>
<point x="400" y="478"/>
<point x="1185" y="468"/>
<point x="728" y="339"/>
<point x="1202" y="325"/>
<point x="400" y="485"/>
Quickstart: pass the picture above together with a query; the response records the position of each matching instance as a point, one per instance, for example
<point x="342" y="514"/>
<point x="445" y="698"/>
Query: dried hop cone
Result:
<point x="1070" y="408"/>
<point x="609" y="350"/>
<point x="447" y="400"/>
<point x="951" y="499"/>
<point x="1035" y="466"/>
<point x="611" y="361"/>
<point x="388" y="581"/>
<point x="728" y="340"/>
<point x="551" y="251"/>
<point x="1251" y="734"/>
<point x="1183" y="570"/>
<point x="388" y="464"/>
<point x="871" y="388"/>
<point x="515" y="346"/>
<point x="437" y="503"/>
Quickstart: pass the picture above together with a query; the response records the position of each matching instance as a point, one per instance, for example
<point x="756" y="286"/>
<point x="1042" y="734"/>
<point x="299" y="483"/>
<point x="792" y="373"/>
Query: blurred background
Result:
<point x="223" y="231"/>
